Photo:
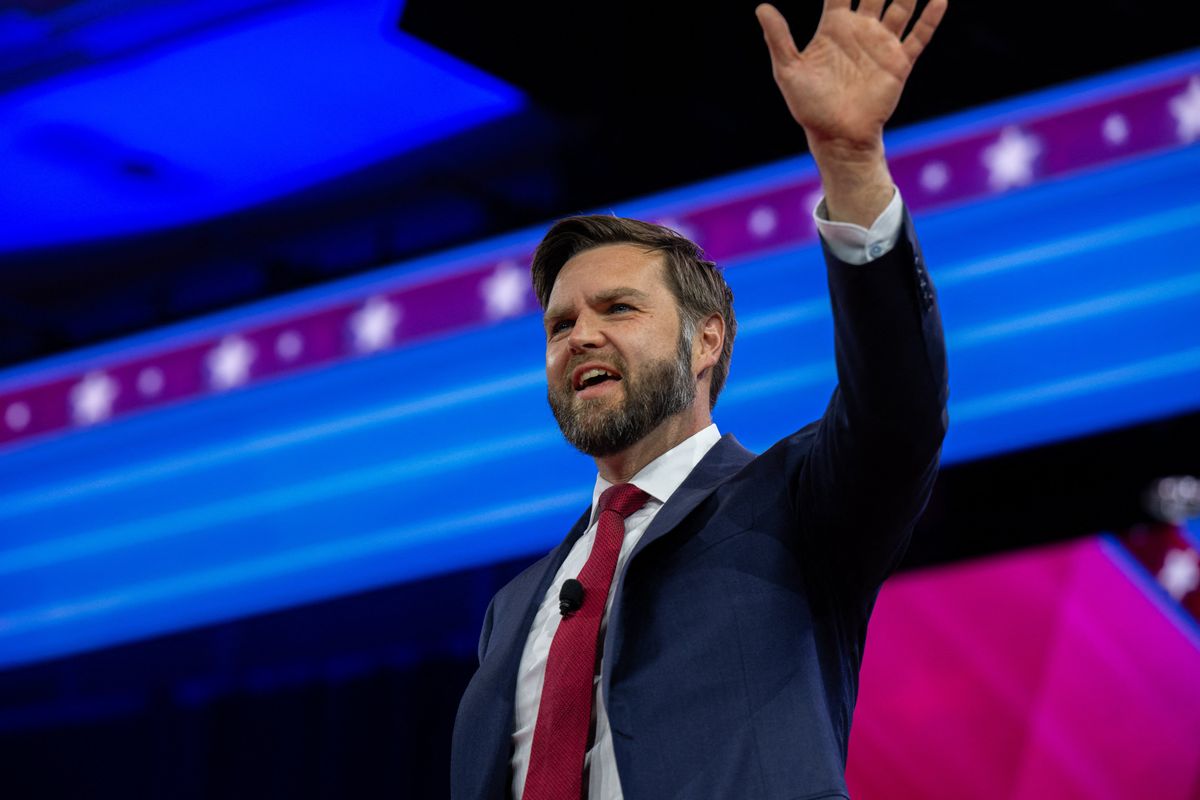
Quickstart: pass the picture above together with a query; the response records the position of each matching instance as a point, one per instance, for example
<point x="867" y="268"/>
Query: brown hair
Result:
<point x="698" y="285"/>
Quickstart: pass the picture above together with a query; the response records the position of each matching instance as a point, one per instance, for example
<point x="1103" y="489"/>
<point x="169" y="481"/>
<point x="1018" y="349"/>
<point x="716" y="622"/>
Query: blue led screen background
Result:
<point x="394" y="426"/>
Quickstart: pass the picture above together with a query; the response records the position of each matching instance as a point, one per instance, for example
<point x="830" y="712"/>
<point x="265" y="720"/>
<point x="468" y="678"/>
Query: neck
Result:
<point x="620" y="467"/>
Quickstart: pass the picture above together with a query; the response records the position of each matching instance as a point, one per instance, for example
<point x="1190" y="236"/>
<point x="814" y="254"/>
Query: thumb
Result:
<point x="775" y="30"/>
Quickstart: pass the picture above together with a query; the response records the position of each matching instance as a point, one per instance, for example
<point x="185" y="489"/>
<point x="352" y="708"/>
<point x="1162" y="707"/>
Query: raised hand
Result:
<point x="846" y="83"/>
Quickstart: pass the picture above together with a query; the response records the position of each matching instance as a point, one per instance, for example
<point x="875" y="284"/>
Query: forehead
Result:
<point x="599" y="268"/>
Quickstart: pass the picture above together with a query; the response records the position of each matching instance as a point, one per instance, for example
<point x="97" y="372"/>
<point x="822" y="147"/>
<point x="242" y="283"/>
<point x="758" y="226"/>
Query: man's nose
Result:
<point x="586" y="333"/>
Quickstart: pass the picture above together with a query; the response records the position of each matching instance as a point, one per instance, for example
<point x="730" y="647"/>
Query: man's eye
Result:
<point x="560" y="326"/>
<point x="620" y="307"/>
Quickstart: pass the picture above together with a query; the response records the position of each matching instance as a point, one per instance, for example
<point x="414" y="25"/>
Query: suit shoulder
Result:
<point x="790" y="451"/>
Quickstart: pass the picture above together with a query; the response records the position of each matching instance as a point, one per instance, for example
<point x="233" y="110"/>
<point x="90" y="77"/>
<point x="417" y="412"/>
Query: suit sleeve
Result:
<point x="873" y="455"/>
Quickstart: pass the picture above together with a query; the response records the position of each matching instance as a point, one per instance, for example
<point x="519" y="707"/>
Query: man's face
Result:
<point x="617" y="360"/>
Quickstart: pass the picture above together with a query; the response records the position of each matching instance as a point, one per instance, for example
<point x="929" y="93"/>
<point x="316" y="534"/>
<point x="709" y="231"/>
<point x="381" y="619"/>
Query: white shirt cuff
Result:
<point x="855" y="244"/>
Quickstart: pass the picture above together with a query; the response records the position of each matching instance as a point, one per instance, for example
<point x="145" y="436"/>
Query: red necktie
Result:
<point x="565" y="711"/>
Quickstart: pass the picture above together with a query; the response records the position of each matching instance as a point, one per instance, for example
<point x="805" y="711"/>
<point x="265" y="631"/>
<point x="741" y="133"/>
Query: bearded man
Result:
<point x="699" y="631"/>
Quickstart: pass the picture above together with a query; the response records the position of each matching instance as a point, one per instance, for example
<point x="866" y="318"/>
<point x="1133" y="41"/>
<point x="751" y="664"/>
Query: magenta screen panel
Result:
<point x="1062" y="672"/>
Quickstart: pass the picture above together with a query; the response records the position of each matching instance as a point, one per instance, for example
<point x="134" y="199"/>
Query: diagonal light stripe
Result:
<point x="1028" y="396"/>
<point x="324" y="555"/>
<point x="1102" y="305"/>
<point x="23" y="502"/>
<point x="1147" y="227"/>
<point x="781" y="381"/>
<point x="163" y="526"/>
<point x="786" y="317"/>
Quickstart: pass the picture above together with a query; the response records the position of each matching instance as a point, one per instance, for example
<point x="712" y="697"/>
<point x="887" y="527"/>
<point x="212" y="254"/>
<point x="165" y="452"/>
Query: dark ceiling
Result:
<point x="628" y="99"/>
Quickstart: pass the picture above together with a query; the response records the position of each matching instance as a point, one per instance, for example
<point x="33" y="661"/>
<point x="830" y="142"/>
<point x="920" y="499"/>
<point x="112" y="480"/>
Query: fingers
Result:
<point x="776" y="32"/>
<point x="872" y="8"/>
<point x="897" y="15"/>
<point x="923" y="30"/>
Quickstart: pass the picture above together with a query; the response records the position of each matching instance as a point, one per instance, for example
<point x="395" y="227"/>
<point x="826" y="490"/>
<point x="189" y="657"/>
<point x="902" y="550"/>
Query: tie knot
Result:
<point x="623" y="498"/>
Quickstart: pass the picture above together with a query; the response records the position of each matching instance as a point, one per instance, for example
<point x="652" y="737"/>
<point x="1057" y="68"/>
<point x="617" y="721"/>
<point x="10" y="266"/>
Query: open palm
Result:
<point x="846" y="83"/>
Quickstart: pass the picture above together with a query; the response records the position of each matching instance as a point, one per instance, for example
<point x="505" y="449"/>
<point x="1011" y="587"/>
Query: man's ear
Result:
<point x="706" y="347"/>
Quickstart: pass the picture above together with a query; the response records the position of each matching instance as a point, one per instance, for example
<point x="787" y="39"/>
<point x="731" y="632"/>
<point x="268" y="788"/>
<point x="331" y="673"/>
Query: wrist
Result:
<point x="841" y="149"/>
<point x="855" y="179"/>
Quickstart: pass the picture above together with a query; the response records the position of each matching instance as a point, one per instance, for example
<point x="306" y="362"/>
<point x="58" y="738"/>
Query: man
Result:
<point x="698" y="634"/>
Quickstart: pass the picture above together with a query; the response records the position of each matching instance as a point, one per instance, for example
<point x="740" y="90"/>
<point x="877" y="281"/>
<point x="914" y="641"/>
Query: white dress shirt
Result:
<point x="660" y="478"/>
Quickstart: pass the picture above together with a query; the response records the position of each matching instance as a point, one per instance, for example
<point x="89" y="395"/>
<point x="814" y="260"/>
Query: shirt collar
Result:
<point x="662" y="476"/>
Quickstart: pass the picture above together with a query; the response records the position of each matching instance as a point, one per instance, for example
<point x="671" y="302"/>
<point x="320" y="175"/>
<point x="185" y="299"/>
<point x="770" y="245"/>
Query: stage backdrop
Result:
<point x="349" y="438"/>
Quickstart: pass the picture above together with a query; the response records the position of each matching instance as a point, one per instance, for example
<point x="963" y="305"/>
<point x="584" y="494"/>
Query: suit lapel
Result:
<point x="719" y="464"/>
<point x="722" y="461"/>
<point x="512" y="629"/>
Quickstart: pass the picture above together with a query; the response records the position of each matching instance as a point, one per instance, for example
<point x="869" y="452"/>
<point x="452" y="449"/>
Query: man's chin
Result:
<point x="607" y="404"/>
<point x="603" y="401"/>
<point x="596" y="412"/>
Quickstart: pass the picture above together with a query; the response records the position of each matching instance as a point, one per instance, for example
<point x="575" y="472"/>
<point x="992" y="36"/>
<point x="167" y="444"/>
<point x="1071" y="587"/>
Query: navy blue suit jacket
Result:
<point x="734" y="641"/>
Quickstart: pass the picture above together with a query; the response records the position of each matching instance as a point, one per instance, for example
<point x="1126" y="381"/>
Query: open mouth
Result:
<point x="593" y="376"/>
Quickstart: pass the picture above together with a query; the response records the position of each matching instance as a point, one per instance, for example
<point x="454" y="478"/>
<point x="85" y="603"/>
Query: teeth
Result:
<point x="594" y="373"/>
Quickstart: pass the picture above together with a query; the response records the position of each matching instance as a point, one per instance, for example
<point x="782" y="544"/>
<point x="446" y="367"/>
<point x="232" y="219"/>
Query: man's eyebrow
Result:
<point x="606" y="296"/>
<point x="620" y="291"/>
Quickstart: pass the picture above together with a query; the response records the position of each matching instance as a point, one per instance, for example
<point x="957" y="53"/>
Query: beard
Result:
<point x="600" y="428"/>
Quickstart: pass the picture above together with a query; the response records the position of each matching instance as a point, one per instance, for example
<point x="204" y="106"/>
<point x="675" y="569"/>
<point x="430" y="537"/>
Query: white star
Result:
<point x="229" y="362"/>
<point x="374" y="325"/>
<point x="934" y="176"/>
<point x="1010" y="159"/>
<point x="1180" y="573"/>
<point x="150" y="381"/>
<point x="289" y="345"/>
<point x="1185" y="108"/>
<point x="504" y="291"/>
<point x="1116" y="129"/>
<point x="17" y="416"/>
<point x="92" y="398"/>
<point x="763" y="221"/>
